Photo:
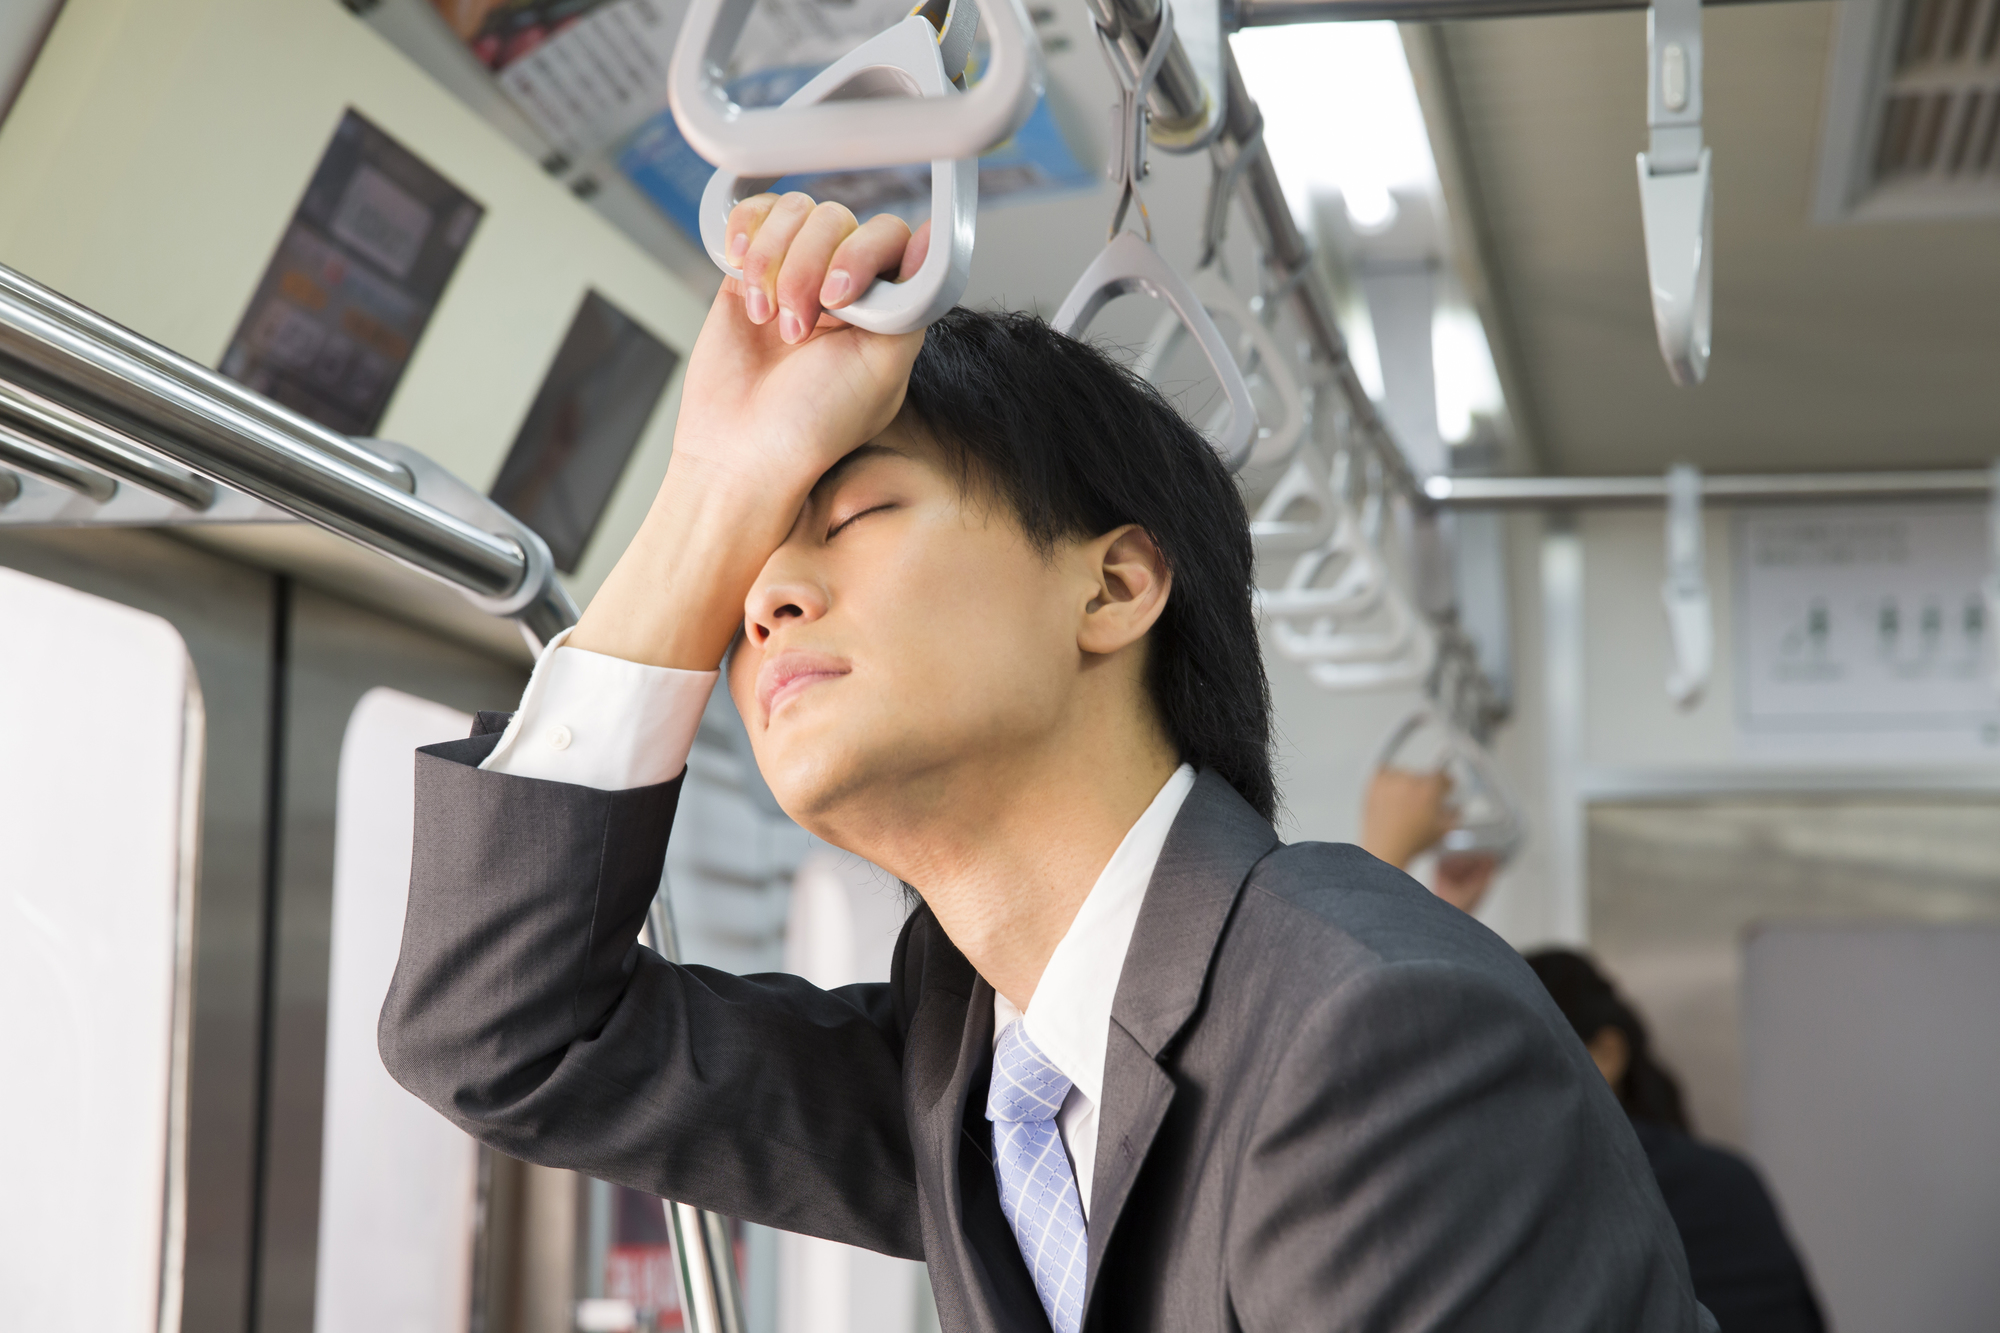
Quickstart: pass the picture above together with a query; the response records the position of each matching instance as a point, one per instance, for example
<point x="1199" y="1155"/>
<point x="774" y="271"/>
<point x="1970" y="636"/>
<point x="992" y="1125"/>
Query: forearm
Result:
<point x="524" y="1011"/>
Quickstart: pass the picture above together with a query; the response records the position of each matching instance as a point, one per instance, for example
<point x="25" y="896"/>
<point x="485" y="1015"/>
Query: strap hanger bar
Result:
<point x="1716" y="488"/>
<point x="1278" y="13"/>
<point x="850" y="135"/>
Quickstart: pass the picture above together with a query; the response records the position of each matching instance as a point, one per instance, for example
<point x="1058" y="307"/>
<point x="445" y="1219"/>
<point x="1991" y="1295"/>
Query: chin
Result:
<point x="812" y="778"/>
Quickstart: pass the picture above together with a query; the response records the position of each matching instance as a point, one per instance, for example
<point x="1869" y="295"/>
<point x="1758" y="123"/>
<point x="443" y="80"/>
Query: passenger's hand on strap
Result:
<point x="777" y="390"/>
<point x="1405" y="814"/>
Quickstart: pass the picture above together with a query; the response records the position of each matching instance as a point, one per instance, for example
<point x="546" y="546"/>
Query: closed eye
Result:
<point x="843" y="525"/>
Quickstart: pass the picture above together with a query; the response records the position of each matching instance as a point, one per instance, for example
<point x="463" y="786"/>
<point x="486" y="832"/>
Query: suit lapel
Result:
<point x="951" y="1055"/>
<point x="1215" y="841"/>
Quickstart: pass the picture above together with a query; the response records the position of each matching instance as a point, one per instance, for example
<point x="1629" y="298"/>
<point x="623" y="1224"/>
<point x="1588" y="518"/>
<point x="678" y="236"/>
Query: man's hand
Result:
<point x="777" y="390"/>
<point x="1405" y="814"/>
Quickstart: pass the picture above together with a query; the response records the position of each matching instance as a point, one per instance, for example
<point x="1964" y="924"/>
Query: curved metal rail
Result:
<point x="95" y="393"/>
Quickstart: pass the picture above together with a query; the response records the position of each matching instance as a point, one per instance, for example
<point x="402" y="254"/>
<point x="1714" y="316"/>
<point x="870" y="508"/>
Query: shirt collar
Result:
<point x="1070" y="1015"/>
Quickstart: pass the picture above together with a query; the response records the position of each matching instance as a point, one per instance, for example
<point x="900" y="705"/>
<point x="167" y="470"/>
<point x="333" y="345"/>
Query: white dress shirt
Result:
<point x="603" y="722"/>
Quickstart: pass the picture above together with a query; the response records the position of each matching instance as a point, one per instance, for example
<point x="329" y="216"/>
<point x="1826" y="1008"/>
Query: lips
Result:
<point x="789" y="675"/>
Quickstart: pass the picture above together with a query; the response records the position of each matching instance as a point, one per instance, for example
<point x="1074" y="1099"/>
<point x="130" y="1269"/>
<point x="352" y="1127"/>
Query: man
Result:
<point x="1139" y="1065"/>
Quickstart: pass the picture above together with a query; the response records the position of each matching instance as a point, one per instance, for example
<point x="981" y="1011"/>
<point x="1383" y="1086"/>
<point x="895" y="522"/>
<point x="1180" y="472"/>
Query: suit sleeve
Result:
<point x="524" y="1010"/>
<point x="1429" y="1154"/>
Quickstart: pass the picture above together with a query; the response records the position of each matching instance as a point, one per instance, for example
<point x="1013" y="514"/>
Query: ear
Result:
<point x="1131" y="581"/>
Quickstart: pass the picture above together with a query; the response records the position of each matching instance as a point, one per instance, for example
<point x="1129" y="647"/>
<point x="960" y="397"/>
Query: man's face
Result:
<point x="904" y="636"/>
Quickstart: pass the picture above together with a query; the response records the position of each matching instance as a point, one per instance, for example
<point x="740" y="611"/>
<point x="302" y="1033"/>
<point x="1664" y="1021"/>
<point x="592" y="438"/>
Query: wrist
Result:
<point x="675" y="598"/>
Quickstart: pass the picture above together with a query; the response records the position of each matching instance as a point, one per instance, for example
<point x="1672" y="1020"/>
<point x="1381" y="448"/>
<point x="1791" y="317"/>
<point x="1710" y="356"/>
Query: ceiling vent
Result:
<point x="1912" y="112"/>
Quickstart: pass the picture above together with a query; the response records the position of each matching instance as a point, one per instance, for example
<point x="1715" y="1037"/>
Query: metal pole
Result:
<point x="63" y="371"/>
<point x="1287" y="252"/>
<point x="200" y="378"/>
<point x="1716" y="488"/>
<point x="1271" y="13"/>
<point x="704" y="1257"/>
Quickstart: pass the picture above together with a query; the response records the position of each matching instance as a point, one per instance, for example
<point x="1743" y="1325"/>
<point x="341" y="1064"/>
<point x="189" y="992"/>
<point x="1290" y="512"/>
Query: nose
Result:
<point x="783" y="594"/>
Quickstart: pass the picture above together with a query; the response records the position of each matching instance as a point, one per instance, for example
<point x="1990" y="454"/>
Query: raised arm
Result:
<point x="522" y="1007"/>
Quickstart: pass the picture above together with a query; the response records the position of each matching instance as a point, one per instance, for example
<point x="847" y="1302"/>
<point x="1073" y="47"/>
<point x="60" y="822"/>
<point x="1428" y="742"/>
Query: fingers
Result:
<point x="744" y="219"/>
<point x="782" y="223"/>
<point x="800" y="259"/>
<point x="804" y="270"/>
<point x="874" y="249"/>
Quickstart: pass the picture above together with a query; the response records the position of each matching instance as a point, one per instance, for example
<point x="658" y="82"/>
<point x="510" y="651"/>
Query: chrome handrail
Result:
<point x="136" y="392"/>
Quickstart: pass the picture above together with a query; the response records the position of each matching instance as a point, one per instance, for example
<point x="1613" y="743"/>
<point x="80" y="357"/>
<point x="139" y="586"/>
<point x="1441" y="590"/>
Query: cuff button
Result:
<point x="560" y="738"/>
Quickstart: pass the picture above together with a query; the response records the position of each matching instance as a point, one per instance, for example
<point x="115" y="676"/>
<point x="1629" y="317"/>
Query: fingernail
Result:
<point x="789" y="327"/>
<point x="836" y="289"/>
<point x="738" y="245"/>
<point x="757" y="305"/>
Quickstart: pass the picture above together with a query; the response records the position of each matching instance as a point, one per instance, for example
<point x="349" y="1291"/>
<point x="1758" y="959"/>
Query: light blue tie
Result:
<point x="1037" y="1187"/>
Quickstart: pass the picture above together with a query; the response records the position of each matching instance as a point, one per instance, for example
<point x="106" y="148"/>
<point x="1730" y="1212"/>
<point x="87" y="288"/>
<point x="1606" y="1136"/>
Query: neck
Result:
<point x="1005" y="850"/>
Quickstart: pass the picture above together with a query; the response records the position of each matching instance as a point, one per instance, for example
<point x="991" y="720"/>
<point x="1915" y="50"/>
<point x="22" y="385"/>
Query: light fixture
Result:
<point x="1340" y="116"/>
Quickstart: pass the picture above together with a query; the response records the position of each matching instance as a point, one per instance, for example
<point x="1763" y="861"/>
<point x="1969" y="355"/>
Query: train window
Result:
<point x="398" y="1182"/>
<point x="99" y="789"/>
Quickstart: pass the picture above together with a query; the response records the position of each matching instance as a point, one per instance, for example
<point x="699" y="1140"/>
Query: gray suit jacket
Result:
<point x="1331" y="1101"/>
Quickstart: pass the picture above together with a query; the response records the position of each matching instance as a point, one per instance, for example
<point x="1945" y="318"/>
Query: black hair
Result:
<point x="1076" y="445"/>
<point x="1591" y="1004"/>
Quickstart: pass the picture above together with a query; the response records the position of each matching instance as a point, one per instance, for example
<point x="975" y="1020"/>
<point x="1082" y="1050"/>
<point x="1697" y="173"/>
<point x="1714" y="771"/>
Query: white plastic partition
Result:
<point x="398" y="1182"/>
<point x="904" y="62"/>
<point x="847" y="135"/>
<point x="96" y="923"/>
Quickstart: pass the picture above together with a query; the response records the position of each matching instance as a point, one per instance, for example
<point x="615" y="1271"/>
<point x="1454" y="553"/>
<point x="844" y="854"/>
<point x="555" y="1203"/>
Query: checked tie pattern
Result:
<point x="1037" y="1187"/>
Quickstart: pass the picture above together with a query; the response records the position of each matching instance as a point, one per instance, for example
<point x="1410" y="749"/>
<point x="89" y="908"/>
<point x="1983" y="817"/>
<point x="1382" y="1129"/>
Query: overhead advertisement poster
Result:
<point x="357" y="273"/>
<point x="1865" y="633"/>
<point x="591" y="75"/>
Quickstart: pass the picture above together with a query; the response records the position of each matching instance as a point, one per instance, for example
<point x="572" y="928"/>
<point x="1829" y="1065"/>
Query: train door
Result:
<point x="278" y="678"/>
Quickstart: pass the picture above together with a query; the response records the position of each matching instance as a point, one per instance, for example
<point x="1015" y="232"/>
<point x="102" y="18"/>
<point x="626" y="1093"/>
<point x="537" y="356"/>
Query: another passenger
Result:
<point x="1745" y="1270"/>
<point x="985" y="604"/>
<point x="1407" y="814"/>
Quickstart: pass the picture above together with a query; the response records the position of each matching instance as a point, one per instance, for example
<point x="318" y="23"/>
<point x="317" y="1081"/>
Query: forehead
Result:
<point x="897" y="447"/>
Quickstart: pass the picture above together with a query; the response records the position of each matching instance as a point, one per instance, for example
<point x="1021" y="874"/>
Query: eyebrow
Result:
<point x="831" y="477"/>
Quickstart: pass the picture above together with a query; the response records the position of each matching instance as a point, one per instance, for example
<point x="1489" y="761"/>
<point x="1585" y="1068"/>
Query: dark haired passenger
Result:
<point x="984" y="601"/>
<point x="1743" y="1265"/>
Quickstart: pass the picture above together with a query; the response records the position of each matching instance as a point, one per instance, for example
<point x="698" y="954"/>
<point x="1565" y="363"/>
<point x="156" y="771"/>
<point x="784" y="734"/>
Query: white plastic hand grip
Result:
<point x="1411" y="668"/>
<point x="1356" y="588"/>
<point x="1275" y="442"/>
<point x="1678" y="209"/>
<point x="903" y="61"/>
<point x="1690" y="628"/>
<point x="1676" y="202"/>
<point x="845" y="135"/>
<point x="1488" y="820"/>
<point x="1127" y="265"/>
<point x="1279" y="527"/>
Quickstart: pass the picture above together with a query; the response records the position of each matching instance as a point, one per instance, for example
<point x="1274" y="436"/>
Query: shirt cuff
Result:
<point x="597" y="721"/>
